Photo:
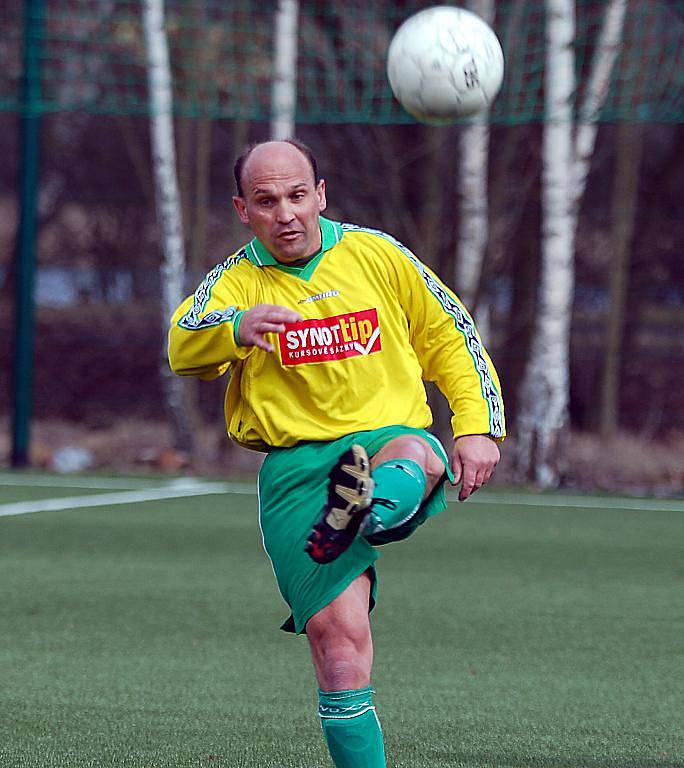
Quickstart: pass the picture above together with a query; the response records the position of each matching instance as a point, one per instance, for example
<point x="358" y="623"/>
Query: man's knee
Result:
<point x="342" y="655"/>
<point x="340" y="639"/>
<point x="344" y="663"/>
<point x="417" y="449"/>
<point x="338" y="633"/>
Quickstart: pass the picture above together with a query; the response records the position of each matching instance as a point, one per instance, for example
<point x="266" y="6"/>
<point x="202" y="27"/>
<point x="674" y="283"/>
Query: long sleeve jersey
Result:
<point x="376" y="323"/>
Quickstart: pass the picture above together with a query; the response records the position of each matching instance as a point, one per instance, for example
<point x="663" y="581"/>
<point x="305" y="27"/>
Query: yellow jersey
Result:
<point x="376" y="323"/>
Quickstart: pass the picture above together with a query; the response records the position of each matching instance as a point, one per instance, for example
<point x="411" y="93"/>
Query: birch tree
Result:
<point x="168" y="205"/>
<point x="607" y="49"/>
<point x="474" y="211"/>
<point x="544" y="396"/>
<point x="284" y="88"/>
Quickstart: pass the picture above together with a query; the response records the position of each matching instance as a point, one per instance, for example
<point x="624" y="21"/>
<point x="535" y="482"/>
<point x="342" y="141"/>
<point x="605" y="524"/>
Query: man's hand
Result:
<point x="473" y="460"/>
<point x="262" y="319"/>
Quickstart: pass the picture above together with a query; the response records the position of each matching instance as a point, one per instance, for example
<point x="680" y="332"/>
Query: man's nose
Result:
<point x="285" y="212"/>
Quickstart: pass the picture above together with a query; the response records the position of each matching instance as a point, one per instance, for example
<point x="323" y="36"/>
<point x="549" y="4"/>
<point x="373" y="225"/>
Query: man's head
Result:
<point x="280" y="198"/>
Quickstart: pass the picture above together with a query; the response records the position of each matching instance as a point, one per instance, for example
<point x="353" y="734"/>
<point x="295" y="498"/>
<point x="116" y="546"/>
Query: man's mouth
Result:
<point x="290" y="234"/>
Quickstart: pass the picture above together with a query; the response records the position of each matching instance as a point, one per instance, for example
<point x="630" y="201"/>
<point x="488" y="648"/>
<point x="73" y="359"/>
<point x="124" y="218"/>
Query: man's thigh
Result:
<point x="293" y="486"/>
<point x="293" y="489"/>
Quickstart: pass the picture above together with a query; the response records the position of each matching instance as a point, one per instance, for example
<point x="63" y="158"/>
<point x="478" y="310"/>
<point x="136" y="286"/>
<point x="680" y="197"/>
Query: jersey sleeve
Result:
<point x="449" y="349"/>
<point x="201" y="337"/>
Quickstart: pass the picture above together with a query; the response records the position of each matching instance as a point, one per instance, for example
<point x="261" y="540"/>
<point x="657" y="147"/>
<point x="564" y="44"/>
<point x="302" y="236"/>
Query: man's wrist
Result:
<point x="236" y="326"/>
<point x="478" y="434"/>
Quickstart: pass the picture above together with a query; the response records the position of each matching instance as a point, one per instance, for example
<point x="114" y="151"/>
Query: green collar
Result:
<point x="331" y="234"/>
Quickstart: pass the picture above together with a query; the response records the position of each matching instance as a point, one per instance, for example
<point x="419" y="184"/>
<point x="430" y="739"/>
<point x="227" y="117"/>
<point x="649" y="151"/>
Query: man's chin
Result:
<point x="285" y="256"/>
<point x="288" y="255"/>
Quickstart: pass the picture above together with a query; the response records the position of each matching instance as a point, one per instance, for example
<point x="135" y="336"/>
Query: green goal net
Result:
<point x="92" y="58"/>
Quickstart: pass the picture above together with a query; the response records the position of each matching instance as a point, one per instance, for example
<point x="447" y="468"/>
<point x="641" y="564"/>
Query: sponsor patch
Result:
<point x="330" y="338"/>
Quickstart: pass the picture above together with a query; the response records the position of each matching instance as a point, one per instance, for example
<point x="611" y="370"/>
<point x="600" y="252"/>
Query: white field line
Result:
<point x="593" y="502"/>
<point x="184" y="487"/>
<point x="124" y="497"/>
<point x="67" y="481"/>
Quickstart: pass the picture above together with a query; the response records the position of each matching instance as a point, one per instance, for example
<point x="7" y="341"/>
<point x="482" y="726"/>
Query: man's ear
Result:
<point x="320" y="193"/>
<point x="241" y="208"/>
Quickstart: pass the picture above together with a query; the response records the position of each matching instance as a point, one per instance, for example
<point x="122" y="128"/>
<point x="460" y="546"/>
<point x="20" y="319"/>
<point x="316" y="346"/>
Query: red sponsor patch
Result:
<point x="331" y="338"/>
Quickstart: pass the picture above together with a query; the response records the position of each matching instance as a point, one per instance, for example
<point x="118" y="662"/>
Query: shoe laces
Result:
<point x="387" y="503"/>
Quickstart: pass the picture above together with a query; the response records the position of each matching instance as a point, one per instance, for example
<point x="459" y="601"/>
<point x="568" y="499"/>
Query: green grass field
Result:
<point x="506" y="634"/>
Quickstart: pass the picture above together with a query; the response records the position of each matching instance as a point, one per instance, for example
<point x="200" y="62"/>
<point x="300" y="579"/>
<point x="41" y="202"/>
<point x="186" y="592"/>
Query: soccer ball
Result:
<point x="445" y="63"/>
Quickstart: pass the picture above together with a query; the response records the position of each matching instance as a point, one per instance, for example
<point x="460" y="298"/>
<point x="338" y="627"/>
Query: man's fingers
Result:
<point x="270" y="328"/>
<point x="473" y="481"/>
<point x="468" y="485"/>
<point x="263" y="319"/>
<point x="260" y="335"/>
<point x="274" y="314"/>
<point x="263" y="344"/>
<point x="457" y="469"/>
<point x="476" y="457"/>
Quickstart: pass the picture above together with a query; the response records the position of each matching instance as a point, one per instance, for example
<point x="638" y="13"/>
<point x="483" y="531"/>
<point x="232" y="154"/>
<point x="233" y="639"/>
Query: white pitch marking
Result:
<point x="66" y="481"/>
<point x="124" y="497"/>
<point x="182" y="487"/>
<point x="594" y="502"/>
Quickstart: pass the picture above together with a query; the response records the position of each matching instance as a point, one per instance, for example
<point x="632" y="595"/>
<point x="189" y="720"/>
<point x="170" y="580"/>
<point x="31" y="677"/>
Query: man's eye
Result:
<point x="298" y="196"/>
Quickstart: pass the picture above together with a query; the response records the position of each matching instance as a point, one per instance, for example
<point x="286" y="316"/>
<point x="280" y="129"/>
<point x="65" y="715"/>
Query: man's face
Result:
<point x="282" y="202"/>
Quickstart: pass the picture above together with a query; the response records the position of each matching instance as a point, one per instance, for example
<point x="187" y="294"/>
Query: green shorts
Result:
<point x="293" y="488"/>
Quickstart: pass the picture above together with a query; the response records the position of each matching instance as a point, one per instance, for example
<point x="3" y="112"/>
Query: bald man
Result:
<point x="328" y="331"/>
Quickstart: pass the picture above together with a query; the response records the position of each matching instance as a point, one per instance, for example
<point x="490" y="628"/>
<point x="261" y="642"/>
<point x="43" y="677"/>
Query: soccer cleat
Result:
<point x="350" y="494"/>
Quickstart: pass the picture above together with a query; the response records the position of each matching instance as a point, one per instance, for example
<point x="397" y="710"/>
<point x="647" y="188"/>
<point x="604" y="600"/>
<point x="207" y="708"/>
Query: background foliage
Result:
<point x="99" y="330"/>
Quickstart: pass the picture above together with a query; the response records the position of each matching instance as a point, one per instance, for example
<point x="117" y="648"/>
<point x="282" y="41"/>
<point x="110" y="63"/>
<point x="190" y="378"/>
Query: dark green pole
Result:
<point x="26" y="236"/>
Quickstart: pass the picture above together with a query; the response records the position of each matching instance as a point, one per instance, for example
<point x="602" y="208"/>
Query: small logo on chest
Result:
<point x="330" y="338"/>
<point x="319" y="296"/>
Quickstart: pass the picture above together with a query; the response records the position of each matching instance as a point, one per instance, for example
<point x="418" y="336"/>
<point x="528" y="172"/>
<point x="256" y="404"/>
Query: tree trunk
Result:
<point x="284" y="93"/>
<point x="543" y="413"/>
<point x="520" y="322"/>
<point x="430" y="251"/>
<point x="628" y="148"/>
<point x="472" y="241"/>
<point x="544" y="396"/>
<point x="474" y="211"/>
<point x="168" y="206"/>
<point x="606" y="51"/>
<point x="431" y="208"/>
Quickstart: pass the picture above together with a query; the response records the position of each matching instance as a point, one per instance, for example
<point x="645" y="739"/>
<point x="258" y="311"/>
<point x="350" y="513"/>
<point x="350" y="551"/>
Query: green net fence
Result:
<point x="93" y="59"/>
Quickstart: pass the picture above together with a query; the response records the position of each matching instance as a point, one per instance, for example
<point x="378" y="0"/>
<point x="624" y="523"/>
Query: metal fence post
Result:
<point x="26" y="235"/>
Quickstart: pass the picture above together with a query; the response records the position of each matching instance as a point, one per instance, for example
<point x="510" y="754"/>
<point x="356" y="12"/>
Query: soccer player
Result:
<point x="328" y="331"/>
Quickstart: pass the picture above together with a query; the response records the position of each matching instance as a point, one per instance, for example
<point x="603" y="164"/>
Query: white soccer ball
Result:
<point x="445" y="63"/>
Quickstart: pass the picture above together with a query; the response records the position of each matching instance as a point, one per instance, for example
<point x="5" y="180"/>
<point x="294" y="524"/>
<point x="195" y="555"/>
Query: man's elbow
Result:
<point x="205" y="372"/>
<point x="179" y="366"/>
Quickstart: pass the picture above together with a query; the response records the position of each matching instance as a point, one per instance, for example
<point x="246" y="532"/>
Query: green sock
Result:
<point x="351" y="728"/>
<point x="399" y="489"/>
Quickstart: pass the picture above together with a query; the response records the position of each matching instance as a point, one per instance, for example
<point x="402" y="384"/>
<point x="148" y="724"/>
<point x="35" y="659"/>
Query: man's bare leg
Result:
<point x="340" y="639"/>
<point x="342" y="653"/>
<point x="339" y="634"/>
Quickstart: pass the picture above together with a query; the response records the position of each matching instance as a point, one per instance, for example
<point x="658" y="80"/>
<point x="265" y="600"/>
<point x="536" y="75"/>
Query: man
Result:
<point x="328" y="331"/>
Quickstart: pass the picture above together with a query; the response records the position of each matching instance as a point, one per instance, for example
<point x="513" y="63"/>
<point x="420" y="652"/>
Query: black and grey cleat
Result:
<point x="350" y="494"/>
